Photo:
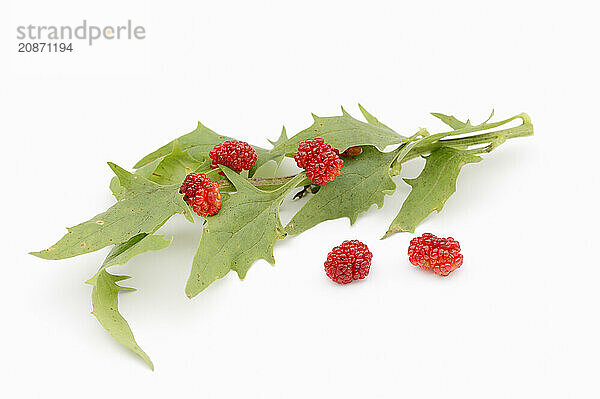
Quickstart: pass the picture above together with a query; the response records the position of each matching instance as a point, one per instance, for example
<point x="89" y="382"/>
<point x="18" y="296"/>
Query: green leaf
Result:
<point x="105" y="302"/>
<point x="431" y="190"/>
<point x="202" y="138"/>
<point x="144" y="206"/>
<point x="282" y="138"/>
<point x="174" y="167"/>
<point x="364" y="180"/>
<point x="457" y="124"/>
<point x="122" y="253"/>
<point x="370" y="118"/>
<point x="441" y="139"/>
<point x="245" y="230"/>
<point x="451" y="121"/>
<point x="169" y="169"/>
<point x="341" y="132"/>
<point x="199" y="143"/>
<point x="105" y="292"/>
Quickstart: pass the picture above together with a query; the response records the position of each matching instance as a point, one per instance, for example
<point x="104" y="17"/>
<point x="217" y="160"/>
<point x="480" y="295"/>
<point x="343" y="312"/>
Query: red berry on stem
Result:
<point x="349" y="261"/>
<point x="321" y="162"/>
<point x="202" y="194"/>
<point x="237" y="155"/>
<point x="442" y="255"/>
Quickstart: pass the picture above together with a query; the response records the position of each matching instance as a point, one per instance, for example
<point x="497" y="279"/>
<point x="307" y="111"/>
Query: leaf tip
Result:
<point x="116" y="168"/>
<point x="190" y="288"/>
<point x="365" y="113"/>
<point x="394" y="230"/>
<point x="387" y="234"/>
<point x="270" y="258"/>
<point x="44" y="254"/>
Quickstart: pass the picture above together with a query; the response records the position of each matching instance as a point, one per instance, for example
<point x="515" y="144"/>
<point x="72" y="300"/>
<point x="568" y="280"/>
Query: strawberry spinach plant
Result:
<point x="245" y="226"/>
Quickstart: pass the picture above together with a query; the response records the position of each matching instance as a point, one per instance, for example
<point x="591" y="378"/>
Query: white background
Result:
<point x="519" y="319"/>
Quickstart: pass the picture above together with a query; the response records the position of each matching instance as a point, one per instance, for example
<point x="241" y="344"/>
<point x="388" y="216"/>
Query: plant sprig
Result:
<point x="248" y="226"/>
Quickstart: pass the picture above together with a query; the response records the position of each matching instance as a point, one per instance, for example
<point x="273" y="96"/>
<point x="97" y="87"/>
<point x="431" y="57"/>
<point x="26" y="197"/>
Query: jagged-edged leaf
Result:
<point x="175" y="166"/>
<point x="201" y="137"/>
<point x="431" y="189"/>
<point x="370" y="118"/>
<point x="522" y="130"/>
<point x="245" y="230"/>
<point x="456" y="124"/>
<point x="105" y="302"/>
<point x="342" y="132"/>
<point x="169" y="169"/>
<point x="282" y="137"/>
<point x="450" y="120"/>
<point x="199" y="142"/>
<point x="105" y="294"/>
<point x="144" y="206"/>
<point x="364" y="180"/>
<point x="146" y="171"/>
<point x="445" y="139"/>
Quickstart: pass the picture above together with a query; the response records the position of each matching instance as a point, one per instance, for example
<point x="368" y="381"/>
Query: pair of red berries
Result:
<point x="352" y="259"/>
<point x="321" y="162"/>
<point x="203" y="194"/>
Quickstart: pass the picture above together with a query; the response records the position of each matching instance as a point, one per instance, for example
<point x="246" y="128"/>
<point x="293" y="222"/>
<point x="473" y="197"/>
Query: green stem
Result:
<point x="265" y="183"/>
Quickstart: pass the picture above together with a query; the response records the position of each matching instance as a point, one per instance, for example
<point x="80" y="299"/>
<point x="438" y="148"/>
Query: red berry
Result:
<point x="442" y="255"/>
<point x="349" y="261"/>
<point x="201" y="193"/>
<point x="237" y="155"/>
<point x="321" y="162"/>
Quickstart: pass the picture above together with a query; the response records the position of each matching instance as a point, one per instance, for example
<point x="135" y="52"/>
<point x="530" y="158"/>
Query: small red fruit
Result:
<point x="352" y="151"/>
<point x="202" y="194"/>
<point x="321" y="162"/>
<point x="349" y="261"/>
<point x="238" y="155"/>
<point x="442" y="255"/>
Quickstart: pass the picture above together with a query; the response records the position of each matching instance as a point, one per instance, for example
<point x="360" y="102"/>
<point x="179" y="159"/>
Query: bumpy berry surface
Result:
<point x="442" y="255"/>
<point x="237" y="155"/>
<point x="321" y="162"/>
<point x="349" y="261"/>
<point x="201" y="193"/>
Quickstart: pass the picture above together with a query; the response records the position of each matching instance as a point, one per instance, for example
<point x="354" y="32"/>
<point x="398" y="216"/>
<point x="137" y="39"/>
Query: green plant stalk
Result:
<point x="264" y="183"/>
<point x="427" y="145"/>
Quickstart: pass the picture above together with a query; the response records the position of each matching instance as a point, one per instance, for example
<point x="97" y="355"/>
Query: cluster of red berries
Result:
<point x="321" y="162"/>
<point x="201" y="193"/>
<point x="237" y="155"/>
<point x="349" y="261"/>
<point x="442" y="255"/>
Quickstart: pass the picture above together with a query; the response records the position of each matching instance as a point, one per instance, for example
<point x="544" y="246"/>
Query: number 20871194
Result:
<point x="45" y="47"/>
